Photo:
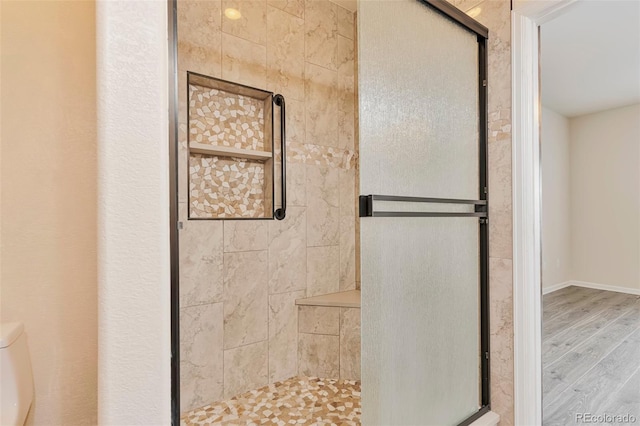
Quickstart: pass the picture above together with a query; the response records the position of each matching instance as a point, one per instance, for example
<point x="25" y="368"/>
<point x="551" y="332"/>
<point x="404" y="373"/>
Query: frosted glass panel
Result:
<point x="418" y="127"/>
<point x="420" y="320"/>
<point x="418" y="95"/>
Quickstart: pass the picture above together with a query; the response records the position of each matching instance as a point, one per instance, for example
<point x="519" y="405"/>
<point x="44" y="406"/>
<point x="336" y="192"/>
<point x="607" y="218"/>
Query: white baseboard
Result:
<point x="635" y="291"/>
<point x="596" y="286"/>
<point x="556" y="287"/>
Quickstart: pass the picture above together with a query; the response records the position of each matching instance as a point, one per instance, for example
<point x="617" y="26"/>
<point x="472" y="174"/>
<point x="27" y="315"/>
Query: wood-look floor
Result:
<point x="590" y="355"/>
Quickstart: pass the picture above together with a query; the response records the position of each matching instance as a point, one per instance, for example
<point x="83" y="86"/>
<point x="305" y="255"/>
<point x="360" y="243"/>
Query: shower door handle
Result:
<point x="282" y="211"/>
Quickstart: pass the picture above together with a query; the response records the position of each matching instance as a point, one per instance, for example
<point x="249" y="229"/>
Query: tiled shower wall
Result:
<point x="239" y="279"/>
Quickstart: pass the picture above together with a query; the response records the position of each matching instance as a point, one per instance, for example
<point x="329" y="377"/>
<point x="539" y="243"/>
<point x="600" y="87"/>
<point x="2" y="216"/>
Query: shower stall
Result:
<point x="323" y="146"/>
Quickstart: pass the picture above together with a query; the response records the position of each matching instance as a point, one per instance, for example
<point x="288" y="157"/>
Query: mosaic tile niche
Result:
<point x="230" y="150"/>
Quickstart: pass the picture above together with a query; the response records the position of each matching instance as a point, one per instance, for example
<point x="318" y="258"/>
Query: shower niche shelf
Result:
<point x="230" y="146"/>
<point x="223" y="151"/>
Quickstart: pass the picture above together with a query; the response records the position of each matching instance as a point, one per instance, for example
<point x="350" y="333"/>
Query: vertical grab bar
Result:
<point x="282" y="212"/>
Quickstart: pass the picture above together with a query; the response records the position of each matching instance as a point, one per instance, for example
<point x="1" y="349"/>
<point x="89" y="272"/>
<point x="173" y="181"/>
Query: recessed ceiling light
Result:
<point x="474" y="12"/>
<point x="232" y="13"/>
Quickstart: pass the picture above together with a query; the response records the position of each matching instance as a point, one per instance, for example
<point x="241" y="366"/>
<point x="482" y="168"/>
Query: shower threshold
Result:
<point x="298" y="400"/>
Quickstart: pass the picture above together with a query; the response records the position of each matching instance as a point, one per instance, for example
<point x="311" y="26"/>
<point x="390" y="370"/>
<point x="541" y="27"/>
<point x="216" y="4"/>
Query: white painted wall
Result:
<point x="605" y="197"/>
<point x="133" y="222"/>
<point x="49" y="216"/>
<point x="556" y="197"/>
<point x="591" y="199"/>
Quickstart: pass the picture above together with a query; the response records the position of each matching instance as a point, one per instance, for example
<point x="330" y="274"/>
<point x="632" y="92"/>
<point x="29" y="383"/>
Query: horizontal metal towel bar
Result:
<point x="366" y="207"/>
<point x="427" y="214"/>
<point x="424" y="199"/>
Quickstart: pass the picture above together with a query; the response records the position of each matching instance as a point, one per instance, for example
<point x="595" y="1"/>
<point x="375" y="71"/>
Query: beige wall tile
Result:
<point x="495" y="15"/>
<point x="183" y="156"/>
<point x="183" y="96"/>
<point x="319" y="320"/>
<point x="323" y="206"/>
<point x="346" y="93"/>
<point x="198" y="21"/>
<point x="283" y="335"/>
<point x="288" y="252"/>
<point x="182" y="214"/>
<point x="245" y="368"/>
<point x="321" y="103"/>
<point x="295" y="123"/>
<point x="500" y="201"/>
<point x="500" y="175"/>
<point x="285" y="61"/>
<point x="200" y="263"/>
<point x="244" y="62"/>
<point x="201" y="360"/>
<point x="502" y="398"/>
<point x="245" y="235"/>
<point x="500" y="234"/>
<point x="321" y="25"/>
<point x="203" y="60"/>
<point x="500" y="271"/>
<point x="348" y="193"/>
<point x="252" y="25"/>
<point x="347" y="253"/>
<point x="296" y="184"/>
<point x="199" y="44"/>
<point x="294" y="7"/>
<point x="350" y="344"/>
<point x="346" y="23"/>
<point x="319" y="355"/>
<point x="499" y="66"/>
<point x="245" y="298"/>
<point x="323" y="264"/>
<point x="346" y="130"/>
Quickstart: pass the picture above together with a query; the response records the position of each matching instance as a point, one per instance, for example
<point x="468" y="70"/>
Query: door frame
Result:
<point x="526" y="18"/>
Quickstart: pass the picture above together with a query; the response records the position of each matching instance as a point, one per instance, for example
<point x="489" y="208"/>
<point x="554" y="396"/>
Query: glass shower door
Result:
<point x="423" y="208"/>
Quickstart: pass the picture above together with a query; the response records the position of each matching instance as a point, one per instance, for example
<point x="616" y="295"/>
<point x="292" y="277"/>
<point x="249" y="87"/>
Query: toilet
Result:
<point x="16" y="379"/>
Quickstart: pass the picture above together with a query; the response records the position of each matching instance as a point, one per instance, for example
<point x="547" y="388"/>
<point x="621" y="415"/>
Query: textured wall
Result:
<point x="496" y="15"/>
<point x="49" y="276"/>
<point x="133" y="225"/>
<point x="240" y="279"/>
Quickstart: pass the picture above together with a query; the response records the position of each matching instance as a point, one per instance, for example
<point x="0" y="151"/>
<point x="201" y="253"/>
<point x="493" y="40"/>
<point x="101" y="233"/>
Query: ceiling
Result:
<point x="590" y="57"/>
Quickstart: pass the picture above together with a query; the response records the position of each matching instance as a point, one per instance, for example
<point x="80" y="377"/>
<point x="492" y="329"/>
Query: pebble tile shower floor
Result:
<point x="299" y="400"/>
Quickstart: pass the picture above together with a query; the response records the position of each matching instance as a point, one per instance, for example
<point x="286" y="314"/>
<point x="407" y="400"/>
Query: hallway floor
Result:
<point x="299" y="400"/>
<point x="590" y="356"/>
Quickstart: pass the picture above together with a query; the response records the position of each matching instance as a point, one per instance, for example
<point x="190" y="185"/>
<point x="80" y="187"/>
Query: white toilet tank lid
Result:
<point x="9" y="332"/>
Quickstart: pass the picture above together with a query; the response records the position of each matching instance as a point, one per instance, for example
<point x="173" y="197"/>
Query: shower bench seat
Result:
<point x="342" y="299"/>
